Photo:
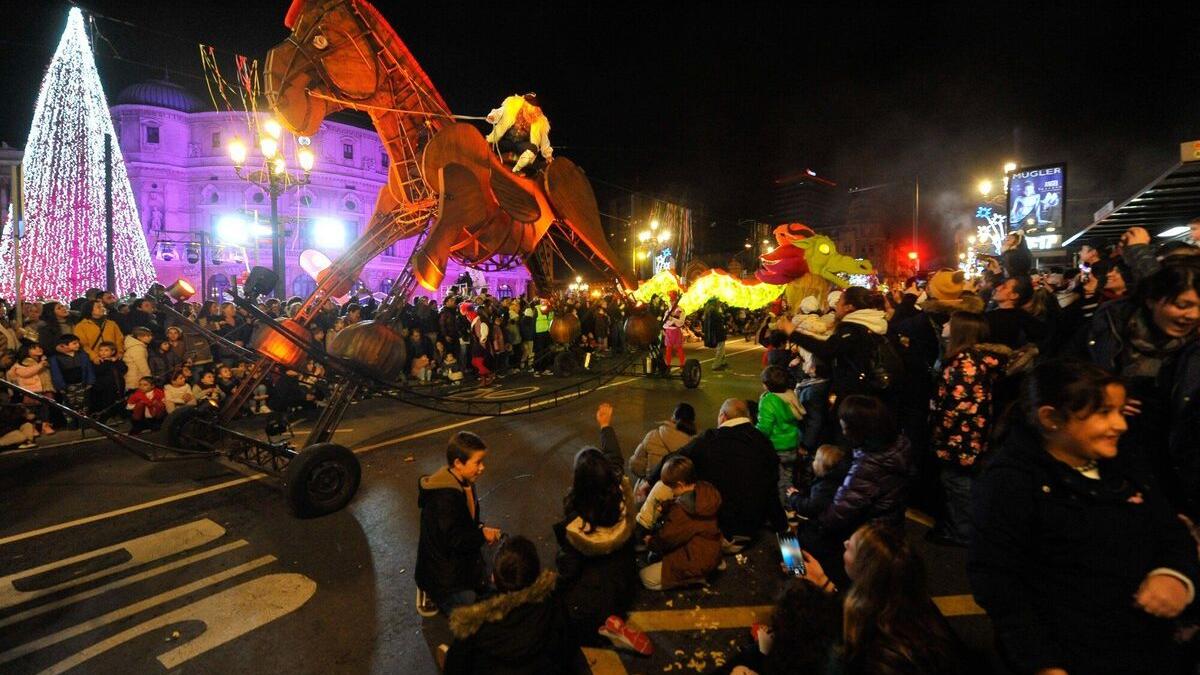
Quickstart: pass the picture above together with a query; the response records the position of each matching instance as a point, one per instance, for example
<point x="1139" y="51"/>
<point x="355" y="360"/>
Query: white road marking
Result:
<point x="121" y="583"/>
<point x="131" y="610"/>
<point x="141" y="551"/>
<point x="226" y="615"/>
<point x="259" y="476"/>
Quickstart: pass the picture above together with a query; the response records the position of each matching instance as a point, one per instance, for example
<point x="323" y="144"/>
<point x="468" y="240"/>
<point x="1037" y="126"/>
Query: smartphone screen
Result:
<point x="793" y="558"/>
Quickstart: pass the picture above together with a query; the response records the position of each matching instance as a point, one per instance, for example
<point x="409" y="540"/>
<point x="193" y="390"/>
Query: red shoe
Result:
<point x="47" y="429"/>
<point x="624" y="637"/>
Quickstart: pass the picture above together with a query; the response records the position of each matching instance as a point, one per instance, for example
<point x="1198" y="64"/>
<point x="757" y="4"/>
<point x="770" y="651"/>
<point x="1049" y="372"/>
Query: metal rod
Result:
<point x="18" y="216"/>
<point x="278" y="254"/>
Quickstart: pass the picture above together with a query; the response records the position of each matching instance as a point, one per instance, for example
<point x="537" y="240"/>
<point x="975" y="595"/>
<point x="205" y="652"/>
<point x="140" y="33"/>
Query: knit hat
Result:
<point x="946" y="285"/>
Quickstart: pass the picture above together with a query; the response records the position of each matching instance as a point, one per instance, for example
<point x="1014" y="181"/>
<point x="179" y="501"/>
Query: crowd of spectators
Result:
<point x="1045" y="419"/>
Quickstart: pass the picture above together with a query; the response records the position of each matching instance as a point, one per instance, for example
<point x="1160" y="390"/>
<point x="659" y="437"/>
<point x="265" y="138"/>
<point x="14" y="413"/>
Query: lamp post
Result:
<point x="274" y="178"/>
<point x="650" y="242"/>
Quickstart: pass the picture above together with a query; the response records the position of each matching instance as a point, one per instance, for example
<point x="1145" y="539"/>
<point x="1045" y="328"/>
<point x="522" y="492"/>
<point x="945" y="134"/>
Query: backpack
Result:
<point x="884" y="370"/>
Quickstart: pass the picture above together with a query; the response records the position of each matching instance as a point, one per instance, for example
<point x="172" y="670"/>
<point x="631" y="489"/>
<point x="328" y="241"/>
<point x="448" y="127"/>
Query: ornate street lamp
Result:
<point x="273" y="177"/>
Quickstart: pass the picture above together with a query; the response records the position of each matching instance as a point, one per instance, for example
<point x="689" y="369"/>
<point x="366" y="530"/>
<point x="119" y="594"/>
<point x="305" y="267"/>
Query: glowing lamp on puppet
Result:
<point x="180" y="291"/>
<point x="282" y="349"/>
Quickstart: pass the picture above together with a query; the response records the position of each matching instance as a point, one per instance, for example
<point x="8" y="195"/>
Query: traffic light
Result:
<point x="912" y="255"/>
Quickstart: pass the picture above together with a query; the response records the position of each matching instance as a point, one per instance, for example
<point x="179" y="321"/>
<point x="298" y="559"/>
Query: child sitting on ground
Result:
<point x="523" y="628"/>
<point x="689" y="538"/>
<point x="177" y="392"/>
<point x="830" y="465"/>
<point x="147" y="405"/>
<point x="206" y="389"/>
<point x="32" y="372"/>
<point x="226" y="382"/>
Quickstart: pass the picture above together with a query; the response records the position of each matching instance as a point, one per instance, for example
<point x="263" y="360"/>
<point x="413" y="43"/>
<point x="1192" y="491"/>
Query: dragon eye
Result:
<point x="319" y="41"/>
<point x="823" y="248"/>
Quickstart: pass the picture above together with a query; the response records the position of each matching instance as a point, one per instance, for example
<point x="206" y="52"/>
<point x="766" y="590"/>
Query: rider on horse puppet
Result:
<point x="519" y="126"/>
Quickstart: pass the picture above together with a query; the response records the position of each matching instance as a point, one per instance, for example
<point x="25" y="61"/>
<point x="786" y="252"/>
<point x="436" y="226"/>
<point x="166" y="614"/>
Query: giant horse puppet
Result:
<point x="443" y="181"/>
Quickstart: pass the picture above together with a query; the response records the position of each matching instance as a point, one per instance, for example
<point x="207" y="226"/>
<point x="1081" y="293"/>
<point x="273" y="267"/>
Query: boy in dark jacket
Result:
<point x="830" y="465"/>
<point x="449" y="562"/>
<point x="522" y="629"/>
<point x="71" y="371"/>
<point x="110" y="381"/>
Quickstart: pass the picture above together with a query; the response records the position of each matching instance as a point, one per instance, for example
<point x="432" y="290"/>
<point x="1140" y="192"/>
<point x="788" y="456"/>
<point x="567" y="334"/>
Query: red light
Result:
<point x="912" y="255"/>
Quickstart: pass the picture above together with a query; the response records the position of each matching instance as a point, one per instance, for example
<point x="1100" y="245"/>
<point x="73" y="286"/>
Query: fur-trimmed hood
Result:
<point x="466" y="621"/>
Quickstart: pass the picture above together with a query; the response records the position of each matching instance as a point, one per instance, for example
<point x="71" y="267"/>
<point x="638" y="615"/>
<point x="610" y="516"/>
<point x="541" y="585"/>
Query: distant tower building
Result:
<point x="805" y="197"/>
<point x="877" y="227"/>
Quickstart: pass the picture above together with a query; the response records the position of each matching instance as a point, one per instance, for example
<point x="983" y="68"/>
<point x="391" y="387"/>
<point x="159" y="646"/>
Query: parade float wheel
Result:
<point x="691" y="373"/>
<point x="321" y="479"/>
<point x="565" y="364"/>
<point x="187" y="429"/>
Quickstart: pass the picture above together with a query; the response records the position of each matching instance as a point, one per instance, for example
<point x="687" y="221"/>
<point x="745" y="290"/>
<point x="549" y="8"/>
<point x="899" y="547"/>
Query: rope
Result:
<point x="363" y="106"/>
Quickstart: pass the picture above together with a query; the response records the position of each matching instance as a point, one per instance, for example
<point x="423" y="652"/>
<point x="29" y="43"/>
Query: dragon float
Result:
<point x="802" y="264"/>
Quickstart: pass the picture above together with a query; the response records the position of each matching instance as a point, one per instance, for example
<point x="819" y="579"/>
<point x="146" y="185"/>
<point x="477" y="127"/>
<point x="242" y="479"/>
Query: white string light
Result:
<point x="63" y="250"/>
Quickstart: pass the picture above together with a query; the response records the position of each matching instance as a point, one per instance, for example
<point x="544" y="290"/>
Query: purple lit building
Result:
<point x="192" y="202"/>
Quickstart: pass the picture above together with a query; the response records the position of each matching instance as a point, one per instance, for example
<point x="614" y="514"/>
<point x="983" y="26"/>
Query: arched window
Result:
<point x="217" y="285"/>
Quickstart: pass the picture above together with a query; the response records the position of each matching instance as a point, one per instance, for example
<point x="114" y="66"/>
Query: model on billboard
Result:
<point x="1026" y="210"/>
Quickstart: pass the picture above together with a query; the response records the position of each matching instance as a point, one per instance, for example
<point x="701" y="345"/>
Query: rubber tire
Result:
<point x="691" y="373"/>
<point x="565" y="364"/>
<point x="313" y="462"/>
<point x="175" y="423"/>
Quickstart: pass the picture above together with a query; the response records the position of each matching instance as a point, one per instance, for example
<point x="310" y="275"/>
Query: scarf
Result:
<point x="1147" y="349"/>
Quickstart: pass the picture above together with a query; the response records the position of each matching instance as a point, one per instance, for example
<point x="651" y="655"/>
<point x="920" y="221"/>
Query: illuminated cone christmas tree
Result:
<point x="63" y="250"/>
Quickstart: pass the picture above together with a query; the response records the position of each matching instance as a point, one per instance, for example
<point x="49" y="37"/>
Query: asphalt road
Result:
<point x="112" y="564"/>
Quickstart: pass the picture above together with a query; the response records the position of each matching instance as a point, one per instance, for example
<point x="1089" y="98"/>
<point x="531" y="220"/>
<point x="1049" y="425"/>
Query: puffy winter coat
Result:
<point x="874" y="490"/>
<point x="657" y="444"/>
<point x="31" y="375"/>
<point x="690" y="539"/>
<point x="779" y="419"/>
<point x="137" y="362"/>
<point x="1057" y="557"/>
<point x="448" y="547"/>
<point x="522" y="632"/>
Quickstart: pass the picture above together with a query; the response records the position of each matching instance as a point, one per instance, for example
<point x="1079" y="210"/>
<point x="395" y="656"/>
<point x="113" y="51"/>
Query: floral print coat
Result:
<point x="962" y="408"/>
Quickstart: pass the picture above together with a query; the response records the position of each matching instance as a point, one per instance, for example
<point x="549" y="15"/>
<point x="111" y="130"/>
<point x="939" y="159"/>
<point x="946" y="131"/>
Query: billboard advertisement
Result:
<point x="1037" y="198"/>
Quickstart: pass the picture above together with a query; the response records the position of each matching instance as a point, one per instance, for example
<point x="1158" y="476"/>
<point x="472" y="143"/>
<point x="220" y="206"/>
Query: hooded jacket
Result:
<point x="873" y="490"/>
<point x="690" y="539"/>
<point x="521" y="632"/>
<point x="849" y="352"/>
<point x="1056" y="558"/>
<point x="597" y="572"/>
<point x="32" y="375"/>
<point x="137" y="361"/>
<point x="656" y="445"/>
<point x="741" y="464"/>
<point x="779" y="418"/>
<point x="448" y="548"/>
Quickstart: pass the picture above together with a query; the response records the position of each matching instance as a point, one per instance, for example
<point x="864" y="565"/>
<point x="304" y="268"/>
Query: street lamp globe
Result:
<point x="269" y="146"/>
<point x="306" y="159"/>
<point x="279" y="165"/>
<point x="654" y="224"/>
<point x="273" y="128"/>
<point x="664" y="236"/>
<point x="644" y="236"/>
<point x="985" y="187"/>
<point x="237" y="152"/>
<point x="1010" y="167"/>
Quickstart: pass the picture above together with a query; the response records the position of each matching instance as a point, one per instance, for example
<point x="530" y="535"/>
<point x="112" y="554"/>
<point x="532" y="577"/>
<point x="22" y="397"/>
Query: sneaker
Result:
<point x="425" y="606"/>
<point x="47" y="429"/>
<point x="536" y="374"/>
<point x="624" y="637"/>
<point x="26" y="445"/>
<point x="264" y="410"/>
<point x="440" y="656"/>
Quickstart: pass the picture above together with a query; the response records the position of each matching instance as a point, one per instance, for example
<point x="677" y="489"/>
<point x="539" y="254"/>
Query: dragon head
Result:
<point x="823" y="260"/>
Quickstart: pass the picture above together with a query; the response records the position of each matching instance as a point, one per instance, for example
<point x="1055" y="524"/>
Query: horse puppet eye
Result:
<point x="320" y="41"/>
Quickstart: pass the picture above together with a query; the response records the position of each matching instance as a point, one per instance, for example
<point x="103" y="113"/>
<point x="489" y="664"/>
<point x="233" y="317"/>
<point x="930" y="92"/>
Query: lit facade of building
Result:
<point x="187" y="192"/>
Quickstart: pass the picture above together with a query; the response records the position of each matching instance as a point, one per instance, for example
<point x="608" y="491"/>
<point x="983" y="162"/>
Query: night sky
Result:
<point x="708" y="103"/>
